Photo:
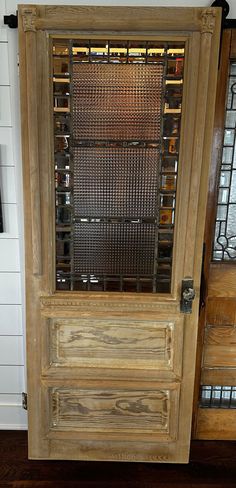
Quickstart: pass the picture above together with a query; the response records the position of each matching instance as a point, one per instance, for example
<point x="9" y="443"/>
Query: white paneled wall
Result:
<point x="12" y="361"/>
<point x="12" y="311"/>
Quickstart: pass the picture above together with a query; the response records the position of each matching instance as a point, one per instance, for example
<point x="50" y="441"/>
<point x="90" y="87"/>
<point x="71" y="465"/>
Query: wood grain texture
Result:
<point x="33" y="152"/>
<point x="116" y="343"/>
<point x="219" y="376"/>
<point x="216" y="424"/>
<point x="200" y="77"/>
<point x="220" y="347"/>
<point x="221" y="311"/>
<point x="233" y="45"/>
<point x="222" y="280"/>
<point x="218" y="319"/>
<point x="117" y="411"/>
<point x="119" y="18"/>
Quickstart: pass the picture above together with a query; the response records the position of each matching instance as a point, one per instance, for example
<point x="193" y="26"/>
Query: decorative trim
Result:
<point x="50" y="303"/>
<point x="208" y="21"/>
<point x="29" y="16"/>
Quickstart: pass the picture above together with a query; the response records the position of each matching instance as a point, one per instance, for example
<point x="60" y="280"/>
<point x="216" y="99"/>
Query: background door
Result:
<point x="116" y="141"/>
<point x="215" y="414"/>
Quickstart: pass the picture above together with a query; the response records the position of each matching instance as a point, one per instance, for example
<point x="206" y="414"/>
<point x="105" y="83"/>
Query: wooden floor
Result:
<point x="212" y="464"/>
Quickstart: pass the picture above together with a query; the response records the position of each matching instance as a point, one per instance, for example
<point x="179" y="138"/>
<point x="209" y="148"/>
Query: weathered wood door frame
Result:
<point x="200" y="29"/>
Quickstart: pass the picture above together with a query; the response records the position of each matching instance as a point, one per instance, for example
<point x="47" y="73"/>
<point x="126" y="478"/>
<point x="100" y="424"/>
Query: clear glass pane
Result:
<point x="225" y="178"/>
<point x="229" y="137"/>
<point x="233" y="188"/>
<point x="221" y="212"/>
<point x="223" y="195"/>
<point x="233" y="69"/>
<point x="227" y="155"/>
<point x="117" y="124"/>
<point x="230" y="122"/>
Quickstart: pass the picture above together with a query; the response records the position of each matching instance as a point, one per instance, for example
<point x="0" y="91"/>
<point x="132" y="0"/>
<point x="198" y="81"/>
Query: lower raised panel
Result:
<point x="120" y="412"/>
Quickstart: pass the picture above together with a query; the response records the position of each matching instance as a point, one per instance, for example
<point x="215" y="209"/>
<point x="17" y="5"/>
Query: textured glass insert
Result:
<point x="224" y="247"/>
<point x="117" y="122"/>
<point x="117" y="102"/>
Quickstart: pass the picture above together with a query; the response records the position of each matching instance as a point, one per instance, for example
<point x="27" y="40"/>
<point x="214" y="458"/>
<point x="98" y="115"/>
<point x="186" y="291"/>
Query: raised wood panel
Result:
<point x="222" y="280"/>
<point x="216" y="424"/>
<point x="116" y="343"/>
<point x="118" y="411"/>
<point x="220" y="346"/>
<point x="219" y="376"/>
<point x="221" y="311"/>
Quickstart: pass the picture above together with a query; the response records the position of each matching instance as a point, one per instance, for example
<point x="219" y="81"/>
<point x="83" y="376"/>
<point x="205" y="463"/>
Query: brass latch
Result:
<point x="187" y="295"/>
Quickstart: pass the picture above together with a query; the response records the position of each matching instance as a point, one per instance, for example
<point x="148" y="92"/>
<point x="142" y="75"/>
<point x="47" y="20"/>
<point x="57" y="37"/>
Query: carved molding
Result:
<point x="29" y="16"/>
<point x="208" y="21"/>
<point x="51" y="303"/>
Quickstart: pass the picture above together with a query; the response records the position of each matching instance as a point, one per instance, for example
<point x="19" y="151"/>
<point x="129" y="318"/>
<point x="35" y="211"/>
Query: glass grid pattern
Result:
<point x="218" y="396"/>
<point x="117" y="115"/>
<point x="224" y="246"/>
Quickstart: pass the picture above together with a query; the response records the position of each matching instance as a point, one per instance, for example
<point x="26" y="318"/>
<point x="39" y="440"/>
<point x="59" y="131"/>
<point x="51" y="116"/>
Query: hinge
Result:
<point x="18" y="64"/>
<point x="11" y="20"/>
<point x="24" y="401"/>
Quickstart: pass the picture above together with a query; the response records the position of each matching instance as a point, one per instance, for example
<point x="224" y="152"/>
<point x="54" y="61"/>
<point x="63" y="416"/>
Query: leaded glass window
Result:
<point x="224" y="248"/>
<point x="117" y="115"/>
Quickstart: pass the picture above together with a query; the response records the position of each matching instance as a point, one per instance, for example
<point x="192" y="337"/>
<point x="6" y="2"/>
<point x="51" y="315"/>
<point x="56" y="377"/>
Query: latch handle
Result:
<point x="187" y="295"/>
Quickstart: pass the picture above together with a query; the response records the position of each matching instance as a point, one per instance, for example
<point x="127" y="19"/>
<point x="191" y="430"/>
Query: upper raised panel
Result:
<point x="116" y="343"/>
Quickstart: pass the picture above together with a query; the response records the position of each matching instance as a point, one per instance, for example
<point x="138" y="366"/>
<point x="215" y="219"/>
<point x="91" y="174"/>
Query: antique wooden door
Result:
<point x="117" y="115"/>
<point x="215" y="416"/>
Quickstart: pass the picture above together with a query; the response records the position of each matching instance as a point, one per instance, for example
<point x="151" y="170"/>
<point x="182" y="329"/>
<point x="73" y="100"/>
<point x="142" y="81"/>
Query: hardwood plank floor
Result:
<point x="212" y="465"/>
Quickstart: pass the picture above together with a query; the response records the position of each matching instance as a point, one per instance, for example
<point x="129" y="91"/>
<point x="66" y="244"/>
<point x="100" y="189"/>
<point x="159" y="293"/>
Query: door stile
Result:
<point x="27" y="40"/>
<point x="206" y="95"/>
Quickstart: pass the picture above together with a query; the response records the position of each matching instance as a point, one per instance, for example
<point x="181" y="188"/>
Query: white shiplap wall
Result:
<point x="12" y="371"/>
<point x="12" y="309"/>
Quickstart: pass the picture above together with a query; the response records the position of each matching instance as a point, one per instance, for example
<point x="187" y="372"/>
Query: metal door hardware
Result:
<point x="187" y="295"/>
